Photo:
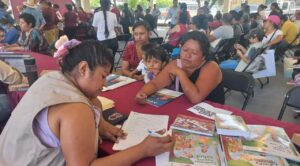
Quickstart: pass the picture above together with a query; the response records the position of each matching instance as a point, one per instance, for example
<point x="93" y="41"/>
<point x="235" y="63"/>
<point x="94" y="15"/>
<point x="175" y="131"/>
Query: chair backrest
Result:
<point x="238" y="81"/>
<point x="124" y="37"/>
<point x="224" y="48"/>
<point x="293" y="96"/>
<point x="157" y="40"/>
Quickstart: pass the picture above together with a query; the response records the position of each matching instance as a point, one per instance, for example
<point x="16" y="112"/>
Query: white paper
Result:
<point x="170" y="92"/>
<point x="269" y="64"/>
<point x="207" y="110"/>
<point x="136" y="128"/>
<point x="124" y="81"/>
<point x="162" y="159"/>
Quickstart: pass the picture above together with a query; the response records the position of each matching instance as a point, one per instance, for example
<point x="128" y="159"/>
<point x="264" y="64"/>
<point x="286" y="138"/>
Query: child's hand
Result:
<point x="152" y="146"/>
<point x="141" y="97"/>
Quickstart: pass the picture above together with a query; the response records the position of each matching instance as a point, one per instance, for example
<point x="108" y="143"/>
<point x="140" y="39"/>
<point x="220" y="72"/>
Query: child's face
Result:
<point x="2" y="36"/>
<point x="154" y="65"/>
<point x="253" y="40"/>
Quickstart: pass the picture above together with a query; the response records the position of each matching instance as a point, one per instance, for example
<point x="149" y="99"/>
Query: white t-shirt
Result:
<point x="99" y="23"/>
<point x="267" y="38"/>
<point x="142" y="67"/>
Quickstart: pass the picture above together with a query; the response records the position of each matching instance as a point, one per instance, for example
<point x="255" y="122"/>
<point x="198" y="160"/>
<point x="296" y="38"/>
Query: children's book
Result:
<point x="231" y="125"/>
<point x="162" y="97"/>
<point x="271" y="140"/>
<point x="236" y="156"/>
<point x="207" y="110"/>
<point x="194" y="125"/>
<point x="114" y="81"/>
<point x="137" y="126"/>
<point x="193" y="149"/>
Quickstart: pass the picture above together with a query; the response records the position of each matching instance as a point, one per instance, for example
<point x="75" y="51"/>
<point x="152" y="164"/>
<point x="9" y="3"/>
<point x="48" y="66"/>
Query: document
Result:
<point x="137" y="126"/>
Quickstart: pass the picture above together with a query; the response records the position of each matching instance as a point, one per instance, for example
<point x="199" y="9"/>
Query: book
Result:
<point x="106" y="103"/>
<point x="114" y="81"/>
<point x="193" y="149"/>
<point x="271" y="140"/>
<point x="114" y="117"/>
<point x="194" y="125"/>
<point x="162" y="97"/>
<point x="207" y="110"/>
<point x="234" y="155"/>
<point x="231" y="125"/>
<point x="137" y="126"/>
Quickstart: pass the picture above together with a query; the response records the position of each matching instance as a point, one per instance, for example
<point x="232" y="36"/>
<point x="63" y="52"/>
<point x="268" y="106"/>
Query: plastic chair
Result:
<point x="239" y="81"/>
<point x="121" y="38"/>
<point x="291" y="99"/>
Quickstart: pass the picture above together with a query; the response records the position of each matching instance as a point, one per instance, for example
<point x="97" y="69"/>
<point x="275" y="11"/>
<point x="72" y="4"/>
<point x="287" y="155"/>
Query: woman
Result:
<point x="261" y="11"/>
<point x="273" y="35"/>
<point x="199" y="23"/>
<point x="133" y="52"/>
<point x="216" y="23"/>
<point x="70" y="22"/>
<point x="127" y="19"/>
<point x="275" y="10"/>
<point x="176" y="32"/>
<point x="59" y="119"/>
<point x="194" y="73"/>
<point x="106" y="24"/>
<point x="30" y="38"/>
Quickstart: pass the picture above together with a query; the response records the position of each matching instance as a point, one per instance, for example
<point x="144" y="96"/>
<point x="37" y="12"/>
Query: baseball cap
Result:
<point x="274" y="19"/>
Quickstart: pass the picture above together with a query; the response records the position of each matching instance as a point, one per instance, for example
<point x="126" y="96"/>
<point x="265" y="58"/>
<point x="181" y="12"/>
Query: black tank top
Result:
<point x="217" y="95"/>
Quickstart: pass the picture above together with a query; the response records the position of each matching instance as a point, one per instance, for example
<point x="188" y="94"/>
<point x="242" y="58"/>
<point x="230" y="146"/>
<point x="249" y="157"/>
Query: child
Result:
<point x="296" y="71"/>
<point x="154" y="59"/>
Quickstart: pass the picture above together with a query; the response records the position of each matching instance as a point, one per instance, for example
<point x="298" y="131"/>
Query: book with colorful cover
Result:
<point x="207" y="110"/>
<point x="114" y="81"/>
<point x="235" y="155"/>
<point x="194" y="125"/>
<point x="231" y="125"/>
<point x="193" y="149"/>
<point x="272" y="140"/>
<point x="162" y="97"/>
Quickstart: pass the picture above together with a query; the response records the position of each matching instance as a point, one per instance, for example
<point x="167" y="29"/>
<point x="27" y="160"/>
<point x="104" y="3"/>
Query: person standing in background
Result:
<point x="116" y="11"/>
<point x="155" y="13"/>
<point x="173" y="13"/>
<point x="70" y="20"/>
<point x="38" y="16"/>
<point x="127" y="19"/>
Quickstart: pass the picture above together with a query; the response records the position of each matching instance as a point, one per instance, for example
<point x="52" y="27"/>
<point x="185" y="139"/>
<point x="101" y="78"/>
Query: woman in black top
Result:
<point x="275" y="10"/>
<point x="194" y="73"/>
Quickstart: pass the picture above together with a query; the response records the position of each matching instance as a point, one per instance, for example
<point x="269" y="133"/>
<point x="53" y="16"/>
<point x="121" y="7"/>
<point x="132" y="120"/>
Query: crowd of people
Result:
<point x="63" y="123"/>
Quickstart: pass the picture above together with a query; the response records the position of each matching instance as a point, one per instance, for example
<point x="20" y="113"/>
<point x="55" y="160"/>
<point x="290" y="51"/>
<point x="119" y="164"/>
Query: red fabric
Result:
<point x="124" y="98"/>
<point x="50" y="18"/>
<point x="70" y="19"/>
<point x="83" y="16"/>
<point x="117" y="12"/>
<point x="174" y="37"/>
<point x="130" y="55"/>
<point x="215" y="24"/>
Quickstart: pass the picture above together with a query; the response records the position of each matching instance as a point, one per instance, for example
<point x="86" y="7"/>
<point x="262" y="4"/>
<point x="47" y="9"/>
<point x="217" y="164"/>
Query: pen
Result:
<point x="153" y="133"/>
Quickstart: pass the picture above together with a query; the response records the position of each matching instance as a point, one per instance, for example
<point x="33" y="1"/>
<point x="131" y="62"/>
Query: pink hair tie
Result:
<point x="64" y="46"/>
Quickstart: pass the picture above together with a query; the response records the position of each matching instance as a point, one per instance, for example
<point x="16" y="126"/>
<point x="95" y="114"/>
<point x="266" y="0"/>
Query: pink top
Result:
<point x="174" y="37"/>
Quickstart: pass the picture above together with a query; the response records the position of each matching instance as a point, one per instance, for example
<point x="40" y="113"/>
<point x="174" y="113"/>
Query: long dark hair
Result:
<point x="105" y="7"/>
<point x="183" y="17"/>
<point x="91" y="51"/>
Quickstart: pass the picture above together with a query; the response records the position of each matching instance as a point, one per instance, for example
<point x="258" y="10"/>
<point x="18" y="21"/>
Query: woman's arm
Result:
<point x="275" y="41"/>
<point x="163" y="79"/>
<point x="209" y="77"/>
<point x="174" y="30"/>
<point x="125" y="69"/>
<point x="76" y="132"/>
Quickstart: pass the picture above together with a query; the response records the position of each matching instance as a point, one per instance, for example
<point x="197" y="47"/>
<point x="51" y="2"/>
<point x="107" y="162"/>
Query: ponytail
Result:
<point x="105" y="23"/>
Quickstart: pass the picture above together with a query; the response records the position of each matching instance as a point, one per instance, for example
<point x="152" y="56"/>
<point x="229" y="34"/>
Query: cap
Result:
<point x="259" y="33"/>
<point x="274" y="19"/>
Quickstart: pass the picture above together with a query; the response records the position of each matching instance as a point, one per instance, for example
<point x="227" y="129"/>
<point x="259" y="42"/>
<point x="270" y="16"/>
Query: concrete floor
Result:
<point x="267" y="101"/>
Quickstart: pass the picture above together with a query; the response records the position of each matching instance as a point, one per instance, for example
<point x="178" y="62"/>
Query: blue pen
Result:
<point x="153" y="133"/>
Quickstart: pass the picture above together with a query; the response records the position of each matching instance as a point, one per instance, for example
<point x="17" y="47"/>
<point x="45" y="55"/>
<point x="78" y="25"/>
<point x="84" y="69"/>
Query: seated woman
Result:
<point x="176" y="32"/>
<point x="59" y="119"/>
<point x="30" y="38"/>
<point x="194" y="73"/>
<point x="273" y="35"/>
<point x="12" y="34"/>
<point x="199" y="23"/>
<point x="133" y="53"/>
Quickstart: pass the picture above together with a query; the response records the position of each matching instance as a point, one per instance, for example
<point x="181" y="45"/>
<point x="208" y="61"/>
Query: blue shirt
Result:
<point x="39" y="19"/>
<point x="12" y="36"/>
<point x="5" y="14"/>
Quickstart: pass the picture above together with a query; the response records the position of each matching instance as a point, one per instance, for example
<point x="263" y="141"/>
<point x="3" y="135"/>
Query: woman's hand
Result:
<point x="152" y="146"/>
<point x="175" y="70"/>
<point x="141" y="97"/>
<point x="110" y="131"/>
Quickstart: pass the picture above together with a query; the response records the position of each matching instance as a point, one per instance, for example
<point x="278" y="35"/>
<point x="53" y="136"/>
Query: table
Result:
<point x="124" y="98"/>
<point x="43" y="62"/>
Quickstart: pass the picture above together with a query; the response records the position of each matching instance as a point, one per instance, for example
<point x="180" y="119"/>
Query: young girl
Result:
<point x="58" y="121"/>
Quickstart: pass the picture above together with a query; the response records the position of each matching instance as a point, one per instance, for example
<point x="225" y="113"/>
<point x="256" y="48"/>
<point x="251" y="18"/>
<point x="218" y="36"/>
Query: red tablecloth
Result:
<point x="124" y="98"/>
<point x="43" y="62"/>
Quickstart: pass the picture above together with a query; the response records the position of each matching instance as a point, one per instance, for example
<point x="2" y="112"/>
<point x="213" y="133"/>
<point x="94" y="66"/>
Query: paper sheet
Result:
<point x="136" y="128"/>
